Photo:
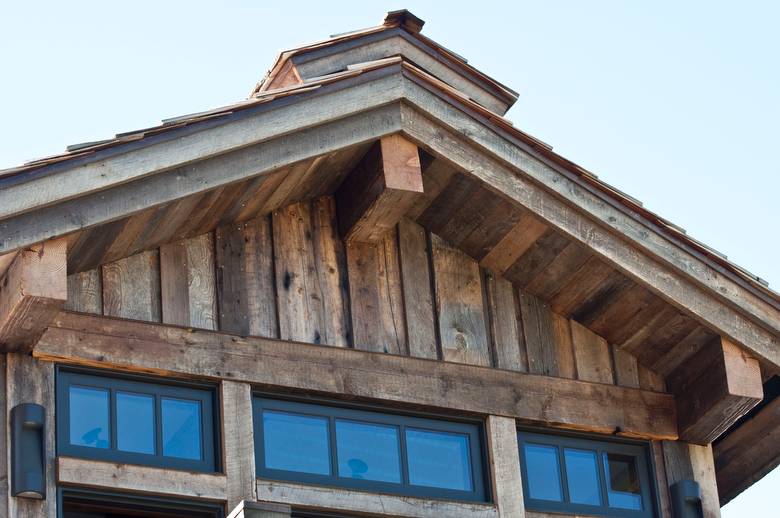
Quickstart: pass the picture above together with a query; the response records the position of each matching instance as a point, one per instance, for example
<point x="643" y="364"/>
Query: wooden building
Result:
<point x="363" y="292"/>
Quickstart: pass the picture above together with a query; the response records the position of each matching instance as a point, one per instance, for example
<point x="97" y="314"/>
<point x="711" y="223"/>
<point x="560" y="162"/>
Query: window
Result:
<point x="571" y="474"/>
<point x="82" y="503"/>
<point x="134" y="420"/>
<point x="362" y="449"/>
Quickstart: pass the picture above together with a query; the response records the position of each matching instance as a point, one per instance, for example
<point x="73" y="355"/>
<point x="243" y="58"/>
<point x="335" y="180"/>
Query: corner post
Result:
<point x="238" y="440"/>
<point x="505" y="466"/>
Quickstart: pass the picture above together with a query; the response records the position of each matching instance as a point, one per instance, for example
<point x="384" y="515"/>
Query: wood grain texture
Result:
<point x="626" y="368"/>
<point x="418" y="298"/>
<point x="504" y="463"/>
<point x="592" y="354"/>
<point x="504" y="324"/>
<point x="238" y="440"/>
<point x="246" y="288"/>
<point x="112" y="476"/>
<point x="684" y="461"/>
<point x="516" y="242"/>
<point x="32" y="291"/>
<point x="85" y="292"/>
<point x="460" y="305"/>
<point x="539" y="337"/>
<point x="564" y="348"/>
<point x="131" y="287"/>
<point x="21" y="369"/>
<point x="344" y="372"/>
<point x="188" y="285"/>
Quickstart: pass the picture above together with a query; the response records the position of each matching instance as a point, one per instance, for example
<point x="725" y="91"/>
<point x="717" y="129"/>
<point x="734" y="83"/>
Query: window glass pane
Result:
<point x="295" y="442"/>
<point x="368" y="451"/>
<point x="582" y="476"/>
<point x="438" y="459"/>
<point x="181" y="428"/>
<point x="88" y="417"/>
<point x="135" y="422"/>
<point x="544" y="481"/>
<point x="623" y="488"/>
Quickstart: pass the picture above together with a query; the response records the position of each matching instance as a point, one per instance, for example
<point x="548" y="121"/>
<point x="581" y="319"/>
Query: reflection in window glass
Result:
<point x="294" y="442"/>
<point x="368" y="451"/>
<point x="181" y="428"/>
<point x="88" y="417"/>
<point x="623" y="487"/>
<point x="582" y="476"/>
<point x="438" y="459"/>
<point x="135" y="422"/>
<point x="542" y="466"/>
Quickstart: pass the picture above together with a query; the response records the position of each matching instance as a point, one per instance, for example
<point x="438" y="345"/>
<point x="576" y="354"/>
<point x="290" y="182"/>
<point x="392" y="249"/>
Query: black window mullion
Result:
<point x="334" y="459"/>
<point x="158" y="445"/>
<point x="562" y="474"/>
<point x="602" y="473"/>
<point x="113" y="431"/>
<point x="402" y="452"/>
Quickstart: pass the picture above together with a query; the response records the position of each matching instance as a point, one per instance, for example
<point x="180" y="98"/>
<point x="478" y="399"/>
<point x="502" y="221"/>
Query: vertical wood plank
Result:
<point x="505" y="466"/>
<point x="5" y="485"/>
<point x="460" y="305"/>
<point x="85" y="292"/>
<point x="131" y="287"/>
<point x="690" y="461"/>
<point x="21" y="369"/>
<point x="246" y="293"/>
<point x="238" y="436"/>
<point x="378" y="319"/>
<point x="418" y="300"/>
<point x="539" y="335"/>
<point x="591" y="352"/>
<point x="626" y="368"/>
<point x="564" y="349"/>
<point x="187" y="280"/>
<point x="649" y="380"/>
<point x="504" y="325"/>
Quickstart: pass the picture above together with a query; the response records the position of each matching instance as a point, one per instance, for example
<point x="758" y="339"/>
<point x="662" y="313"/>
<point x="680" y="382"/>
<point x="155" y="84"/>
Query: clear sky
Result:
<point x="676" y="103"/>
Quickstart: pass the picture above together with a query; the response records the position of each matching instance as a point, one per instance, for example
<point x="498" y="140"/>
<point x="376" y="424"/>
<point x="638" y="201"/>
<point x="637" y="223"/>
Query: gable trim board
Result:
<point x="398" y="97"/>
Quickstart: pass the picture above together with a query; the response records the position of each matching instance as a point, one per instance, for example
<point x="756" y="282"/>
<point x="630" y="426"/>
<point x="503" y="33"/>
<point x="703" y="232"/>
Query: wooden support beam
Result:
<point x="32" y="292"/>
<point x="714" y="389"/>
<point x="369" y="504"/>
<point x="380" y="190"/>
<point x="347" y="373"/>
<point x="748" y="452"/>
<point x="504" y="458"/>
<point x="239" y="446"/>
<point x="142" y="479"/>
<point x="684" y="461"/>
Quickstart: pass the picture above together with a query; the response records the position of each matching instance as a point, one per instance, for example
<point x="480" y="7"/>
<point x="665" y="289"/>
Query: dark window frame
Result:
<point x="636" y="449"/>
<point x="144" y="502"/>
<point x="160" y="388"/>
<point x="474" y="429"/>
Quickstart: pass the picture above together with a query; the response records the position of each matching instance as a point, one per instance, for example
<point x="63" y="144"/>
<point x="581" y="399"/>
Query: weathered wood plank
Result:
<point x="33" y="290"/>
<point x="343" y="372"/>
<point x="516" y="243"/>
<point x="460" y="305"/>
<point x="564" y="349"/>
<point x="720" y="384"/>
<point x="131" y="287"/>
<point x="238" y="437"/>
<point x="85" y="292"/>
<point x="504" y="324"/>
<point x="592" y="355"/>
<point x="21" y="369"/>
<point x="378" y="319"/>
<point x="245" y="278"/>
<point x="505" y="466"/>
<point x="539" y="337"/>
<point x="140" y="479"/>
<point x="380" y="190"/>
<point x="4" y="428"/>
<point x="684" y="461"/>
<point x="418" y="299"/>
<point x="375" y="504"/>
<point x="626" y="368"/>
<point x="187" y="280"/>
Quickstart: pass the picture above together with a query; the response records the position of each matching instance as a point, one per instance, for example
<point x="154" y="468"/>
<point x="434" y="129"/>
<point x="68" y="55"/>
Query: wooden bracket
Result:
<point x="380" y="190"/>
<point x="720" y="384"/>
<point x="32" y="292"/>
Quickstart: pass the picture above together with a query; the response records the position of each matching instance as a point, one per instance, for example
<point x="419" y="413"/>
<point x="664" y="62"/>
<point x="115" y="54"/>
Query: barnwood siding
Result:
<point x="288" y="275"/>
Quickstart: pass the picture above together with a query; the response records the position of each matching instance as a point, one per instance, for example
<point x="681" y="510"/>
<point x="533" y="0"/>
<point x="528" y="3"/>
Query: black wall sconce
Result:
<point x="686" y="499"/>
<point x="28" y="451"/>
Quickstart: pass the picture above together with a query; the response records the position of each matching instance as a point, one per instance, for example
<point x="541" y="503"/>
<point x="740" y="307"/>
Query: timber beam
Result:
<point x="380" y="190"/>
<point x="32" y="292"/>
<point x="348" y="373"/>
<point x="716" y="387"/>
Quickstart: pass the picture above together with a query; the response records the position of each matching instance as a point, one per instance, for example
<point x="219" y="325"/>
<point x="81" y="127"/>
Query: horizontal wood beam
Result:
<point x="380" y="190"/>
<point x="748" y="452"/>
<point x="348" y="373"/>
<point x="143" y="479"/>
<point x="716" y="387"/>
<point x="372" y="504"/>
<point x="32" y="292"/>
<point x="628" y="244"/>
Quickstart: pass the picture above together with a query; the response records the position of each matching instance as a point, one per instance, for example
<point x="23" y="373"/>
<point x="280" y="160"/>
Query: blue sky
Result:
<point x="676" y="103"/>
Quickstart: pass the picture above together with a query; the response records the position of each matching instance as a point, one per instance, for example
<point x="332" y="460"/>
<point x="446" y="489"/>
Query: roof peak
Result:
<point x="404" y="18"/>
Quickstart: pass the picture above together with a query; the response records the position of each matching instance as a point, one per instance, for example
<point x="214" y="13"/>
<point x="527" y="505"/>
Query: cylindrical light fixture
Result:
<point x="28" y="451"/>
